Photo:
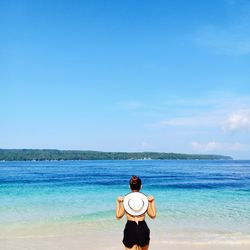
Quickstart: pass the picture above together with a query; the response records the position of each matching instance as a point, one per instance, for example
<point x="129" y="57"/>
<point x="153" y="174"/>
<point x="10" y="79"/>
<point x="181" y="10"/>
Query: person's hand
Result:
<point x="119" y="199"/>
<point x="151" y="198"/>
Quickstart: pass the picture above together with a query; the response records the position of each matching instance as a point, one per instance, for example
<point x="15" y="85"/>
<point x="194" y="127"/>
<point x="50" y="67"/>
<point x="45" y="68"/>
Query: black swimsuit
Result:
<point x="136" y="234"/>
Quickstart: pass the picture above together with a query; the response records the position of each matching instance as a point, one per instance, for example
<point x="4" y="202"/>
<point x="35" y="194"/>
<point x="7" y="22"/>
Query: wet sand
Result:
<point x="81" y="236"/>
<point x="96" y="243"/>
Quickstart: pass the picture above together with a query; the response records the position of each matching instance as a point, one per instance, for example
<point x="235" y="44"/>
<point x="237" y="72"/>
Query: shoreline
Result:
<point x="74" y="160"/>
<point x="55" y="154"/>
<point x="98" y="241"/>
<point x="84" y="235"/>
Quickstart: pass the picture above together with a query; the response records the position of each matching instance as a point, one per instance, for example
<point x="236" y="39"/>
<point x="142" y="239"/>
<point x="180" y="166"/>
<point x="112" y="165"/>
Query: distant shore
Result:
<point x="57" y="155"/>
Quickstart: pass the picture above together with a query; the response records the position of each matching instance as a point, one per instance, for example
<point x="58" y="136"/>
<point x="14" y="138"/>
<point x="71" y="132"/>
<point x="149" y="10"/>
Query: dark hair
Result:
<point x="135" y="183"/>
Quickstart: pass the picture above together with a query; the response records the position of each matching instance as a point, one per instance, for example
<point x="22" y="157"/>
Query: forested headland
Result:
<point x="53" y="154"/>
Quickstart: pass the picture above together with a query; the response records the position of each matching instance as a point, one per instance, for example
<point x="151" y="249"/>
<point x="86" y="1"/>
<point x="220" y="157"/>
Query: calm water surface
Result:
<point x="207" y="196"/>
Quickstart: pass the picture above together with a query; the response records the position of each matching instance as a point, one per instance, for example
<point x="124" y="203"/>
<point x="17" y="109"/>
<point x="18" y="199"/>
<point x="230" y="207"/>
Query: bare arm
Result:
<point x="120" y="211"/>
<point x="151" y="207"/>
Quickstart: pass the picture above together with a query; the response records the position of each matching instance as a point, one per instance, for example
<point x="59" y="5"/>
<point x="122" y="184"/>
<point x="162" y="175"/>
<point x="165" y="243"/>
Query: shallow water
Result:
<point x="208" y="197"/>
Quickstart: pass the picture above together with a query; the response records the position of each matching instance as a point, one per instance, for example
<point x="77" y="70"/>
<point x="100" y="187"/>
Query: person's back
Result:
<point x="136" y="205"/>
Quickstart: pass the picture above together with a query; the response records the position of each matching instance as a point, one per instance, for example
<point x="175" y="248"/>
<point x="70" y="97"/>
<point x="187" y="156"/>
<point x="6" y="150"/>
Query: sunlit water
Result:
<point x="209" y="197"/>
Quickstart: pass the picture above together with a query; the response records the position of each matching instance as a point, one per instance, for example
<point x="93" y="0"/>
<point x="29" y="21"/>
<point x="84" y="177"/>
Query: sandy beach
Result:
<point x="91" y="236"/>
<point x="98" y="241"/>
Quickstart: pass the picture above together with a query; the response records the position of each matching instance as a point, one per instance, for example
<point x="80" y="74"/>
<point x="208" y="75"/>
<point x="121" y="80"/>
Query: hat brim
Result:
<point x="135" y="195"/>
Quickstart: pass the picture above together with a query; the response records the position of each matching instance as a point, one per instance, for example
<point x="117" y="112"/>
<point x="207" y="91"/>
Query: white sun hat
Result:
<point x="135" y="203"/>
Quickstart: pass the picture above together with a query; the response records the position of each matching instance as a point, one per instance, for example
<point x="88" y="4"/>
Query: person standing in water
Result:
<point x="136" y="205"/>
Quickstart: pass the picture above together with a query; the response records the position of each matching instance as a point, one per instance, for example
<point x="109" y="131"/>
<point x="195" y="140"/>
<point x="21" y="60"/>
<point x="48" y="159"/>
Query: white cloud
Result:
<point x="174" y="122"/>
<point x="214" y="146"/>
<point x="237" y="121"/>
<point x="203" y="120"/>
<point x="227" y="113"/>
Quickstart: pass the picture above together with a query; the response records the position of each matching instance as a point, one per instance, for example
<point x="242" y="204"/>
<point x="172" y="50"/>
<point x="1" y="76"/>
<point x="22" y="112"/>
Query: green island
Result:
<point x="54" y="154"/>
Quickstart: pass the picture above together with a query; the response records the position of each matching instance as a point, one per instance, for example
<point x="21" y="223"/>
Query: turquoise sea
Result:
<point x="205" y="198"/>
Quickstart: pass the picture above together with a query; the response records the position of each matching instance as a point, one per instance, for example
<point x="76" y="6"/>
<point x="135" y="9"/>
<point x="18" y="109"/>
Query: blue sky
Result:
<point x="169" y="76"/>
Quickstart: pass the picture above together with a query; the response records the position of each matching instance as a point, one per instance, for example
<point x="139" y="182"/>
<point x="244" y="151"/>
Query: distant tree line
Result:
<point x="53" y="154"/>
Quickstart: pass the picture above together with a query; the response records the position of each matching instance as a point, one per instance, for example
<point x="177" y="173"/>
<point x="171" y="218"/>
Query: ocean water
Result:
<point x="192" y="197"/>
